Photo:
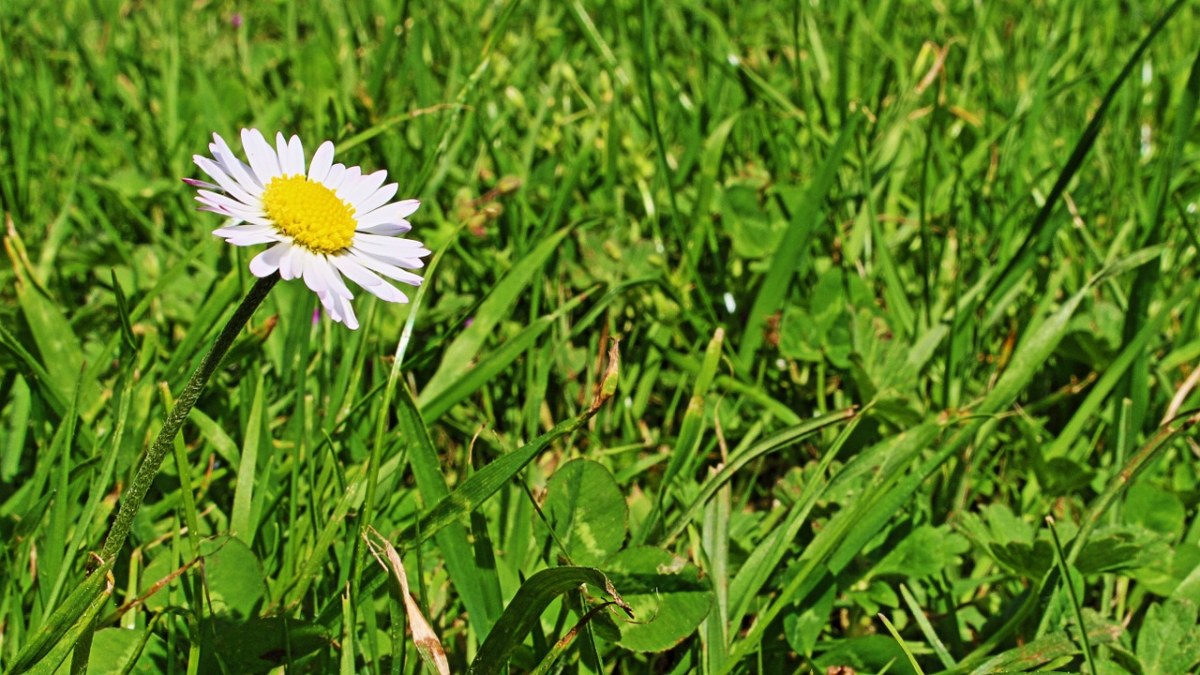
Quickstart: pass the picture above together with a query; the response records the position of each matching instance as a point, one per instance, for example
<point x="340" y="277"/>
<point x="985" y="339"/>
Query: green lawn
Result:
<point x="811" y="334"/>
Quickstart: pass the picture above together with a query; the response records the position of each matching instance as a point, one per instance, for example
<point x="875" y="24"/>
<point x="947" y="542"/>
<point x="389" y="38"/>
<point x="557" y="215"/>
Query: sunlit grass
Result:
<point x="889" y="285"/>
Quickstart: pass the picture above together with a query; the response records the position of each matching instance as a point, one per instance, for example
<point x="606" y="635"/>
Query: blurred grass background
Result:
<point x="892" y="281"/>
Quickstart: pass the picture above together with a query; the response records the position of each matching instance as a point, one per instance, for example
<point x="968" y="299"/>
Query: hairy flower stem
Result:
<point x="131" y="501"/>
<point x="70" y="611"/>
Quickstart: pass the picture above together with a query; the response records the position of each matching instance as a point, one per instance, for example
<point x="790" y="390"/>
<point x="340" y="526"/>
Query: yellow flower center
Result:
<point x="309" y="213"/>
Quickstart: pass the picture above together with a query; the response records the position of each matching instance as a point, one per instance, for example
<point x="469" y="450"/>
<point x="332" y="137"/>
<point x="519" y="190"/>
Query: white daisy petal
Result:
<point x="402" y="248"/>
<point x="262" y="158"/>
<point x="218" y="199"/>
<point x="342" y="295"/>
<point x="225" y="182"/>
<point x="352" y="237"/>
<point x="411" y="207"/>
<point x="349" y="180"/>
<point x="296" y="155"/>
<point x="332" y="312"/>
<point x="391" y="213"/>
<point x="201" y="184"/>
<point x="339" y="308"/>
<point x="387" y="229"/>
<point x="238" y="234"/>
<point x="332" y="306"/>
<point x="243" y="230"/>
<point x="335" y="175"/>
<point x="318" y="276"/>
<point x="377" y="199"/>
<point x="348" y="318"/>
<point x="239" y="218"/>
<point x="396" y="260"/>
<point x="267" y="263"/>
<point x="251" y="239"/>
<point x="390" y="271"/>
<point x="368" y="280"/>
<point x="287" y="150"/>
<point x="266" y="226"/>
<point x="321" y="161"/>
<point x="285" y="158"/>
<point x="230" y="164"/>
<point x="209" y="206"/>
<point x="356" y="272"/>
<point x="313" y="278"/>
<point x="365" y="187"/>
<point x="220" y="212"/>
<point x="229" y="207"/>
<point x="212" y="205"/>
<point x="289" y="264"/>
<point x="334" y="278"/>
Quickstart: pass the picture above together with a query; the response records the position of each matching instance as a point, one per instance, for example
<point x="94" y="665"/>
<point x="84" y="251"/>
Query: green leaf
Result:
<point x="1118" y="549"/>
<point x="1169" y="640"/>
<point x="527" y="606"/>
<point x="116" y="651"/>
<point x="739" y="460"/>
<point x="752" y="228"/>
<point x="793" y="246"/>
<point x="1154" y="508"/>
<point x="587" y="511"/>
<point x="1168" y="571"/>
<point x="233" y="576"/>
<point x="1060" y="476"/>
<point x="256" y="645"/>
<point x="798" y="336"/>
<point x="1041" y="231"/>
<point x="1028" y="560"/>
<point x="1033" y="654"/>
<point x="926" y="551"/>
<point x="804" y="627"/>
<point x="870" y="653"/>
<point x="828" y="299"/>
<point x="484" y="483"/>
<point x="666" y="594"/>
<point x="13" y="446"/>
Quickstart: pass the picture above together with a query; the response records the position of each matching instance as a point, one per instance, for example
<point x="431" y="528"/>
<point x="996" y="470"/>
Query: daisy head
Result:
<point x="323" y="221"/>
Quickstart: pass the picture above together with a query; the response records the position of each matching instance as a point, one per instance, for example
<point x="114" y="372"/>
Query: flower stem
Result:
<point x="131" y="501"/>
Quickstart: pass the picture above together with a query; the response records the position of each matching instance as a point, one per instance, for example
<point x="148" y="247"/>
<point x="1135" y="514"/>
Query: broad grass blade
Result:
<point x="527" y="606"/>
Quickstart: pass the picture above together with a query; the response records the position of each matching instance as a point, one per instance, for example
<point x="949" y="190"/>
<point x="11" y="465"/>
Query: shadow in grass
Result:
<point x="258" y="645"/>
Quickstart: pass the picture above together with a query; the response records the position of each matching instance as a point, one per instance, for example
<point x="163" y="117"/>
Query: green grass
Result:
<point x="903" y="298"/>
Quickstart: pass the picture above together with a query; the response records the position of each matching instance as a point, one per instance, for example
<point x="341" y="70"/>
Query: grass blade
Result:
<point x="794" y="246"/>
<point x="527" y="606"/>
<point x="480" y="589"/>
<point x="457" y="359"/>
<point x="240" y="522"/>
<point x="1042" y="230"/>
<point x="1136" y="383"/>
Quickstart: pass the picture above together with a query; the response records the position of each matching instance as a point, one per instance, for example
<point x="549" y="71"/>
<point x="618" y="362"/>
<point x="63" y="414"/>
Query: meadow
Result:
<point x="763" y="337"/>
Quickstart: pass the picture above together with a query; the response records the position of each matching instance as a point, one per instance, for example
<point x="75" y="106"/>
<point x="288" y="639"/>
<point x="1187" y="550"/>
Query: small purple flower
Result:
<point x="235" y="20"/>
<point x="316" y="315"/>
<point x="470" y="320"/>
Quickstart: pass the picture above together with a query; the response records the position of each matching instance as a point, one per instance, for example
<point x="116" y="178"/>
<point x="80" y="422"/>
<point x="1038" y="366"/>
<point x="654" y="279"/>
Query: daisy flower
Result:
<point x="323" y="221"/>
